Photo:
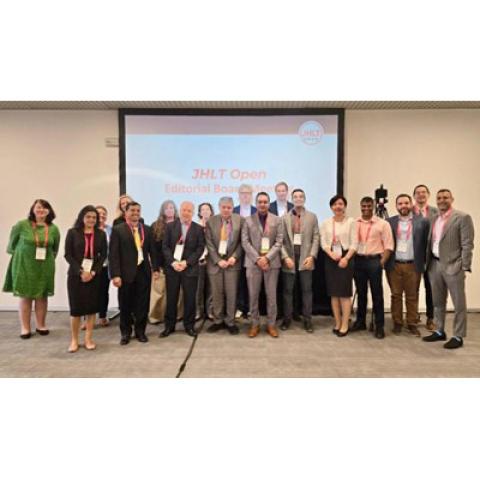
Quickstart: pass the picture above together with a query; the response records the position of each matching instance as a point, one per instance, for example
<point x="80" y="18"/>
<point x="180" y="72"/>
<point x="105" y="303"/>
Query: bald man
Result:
<point x="183" y="245"/>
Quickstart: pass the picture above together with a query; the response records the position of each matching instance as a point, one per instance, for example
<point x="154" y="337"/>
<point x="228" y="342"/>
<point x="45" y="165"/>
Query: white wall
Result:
<point x="61" y="155"/>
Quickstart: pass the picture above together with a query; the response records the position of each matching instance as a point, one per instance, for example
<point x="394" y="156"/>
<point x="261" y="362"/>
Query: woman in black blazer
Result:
<point x="85" y="251"/>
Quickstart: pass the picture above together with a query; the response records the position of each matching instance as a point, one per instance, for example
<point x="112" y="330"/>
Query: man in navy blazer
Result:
<point x="407" y="263"/>
<point x="281" y="205"/>
<point x="245" y="197"/>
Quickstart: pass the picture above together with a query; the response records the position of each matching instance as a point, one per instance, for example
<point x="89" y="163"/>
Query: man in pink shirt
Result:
<point x="375" y="244"/>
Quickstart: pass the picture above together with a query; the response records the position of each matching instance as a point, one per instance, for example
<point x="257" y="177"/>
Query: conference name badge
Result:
<point x="297" y="239"/>
<point x="362" y="249"/>
<point x="87" y="265"/>
<point x="401" y="246"/>
<point x="222" y="247"/>
<point x="140" y="256"/>
<point x="178" y="253"/>
<point x="265" y="245"/>
<point x="41" y="253"/>
<point x="337" y="249"/>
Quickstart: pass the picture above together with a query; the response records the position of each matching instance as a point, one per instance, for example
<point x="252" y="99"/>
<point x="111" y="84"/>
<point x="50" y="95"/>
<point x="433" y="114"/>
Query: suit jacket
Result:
<point x="75" y="250"/>
<point x="310" y="239"/>
<point x="192" y="251"/>
<point x="420" y="231"/>
<point x="252" y="209"/>
<point x="123" y="253"/>
<point x="212" y="239"/>
<point x="274" y="209"/>
<point x="252" y="234"/>
<point x="456" y="243"/>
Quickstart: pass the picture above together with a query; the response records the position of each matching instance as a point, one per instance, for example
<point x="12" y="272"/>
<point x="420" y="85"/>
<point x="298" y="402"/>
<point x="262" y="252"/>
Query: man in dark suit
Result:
<point x="281" y="205"/>
<point x="421" y="194"/>
<point x="449" y="257"/>
<point x="407" y="263"/>
<point x="131" y="259"/>
<point x="183" y="245"/>
<point x="244" y="209"/>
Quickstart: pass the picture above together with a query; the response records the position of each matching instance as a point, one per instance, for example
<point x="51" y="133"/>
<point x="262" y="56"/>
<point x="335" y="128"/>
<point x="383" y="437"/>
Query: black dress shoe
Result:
<point x="216" y="327"/>
<point x="435" y="337"/>
<point x="124" y="340"/>
<point x="142" y="338"/>
<point x="232" y="329"/>
<point x="191" y="332"/>
<point x="454" y="342"/>
<point x="307" y="325"/>
<point x="42" y="332"/>
<point x="342" y="334"/>
<point x="25" y="336"/>
<point x="166" y="332"/>
<point x="357" y="326"/>
<point x="379" y="332"/>
<point x="285" y="325"/>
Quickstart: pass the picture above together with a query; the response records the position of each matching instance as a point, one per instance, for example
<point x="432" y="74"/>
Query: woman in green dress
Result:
<point x="34" y="246"/>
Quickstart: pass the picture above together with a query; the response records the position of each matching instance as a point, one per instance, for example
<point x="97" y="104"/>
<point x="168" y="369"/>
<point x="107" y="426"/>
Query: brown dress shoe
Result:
<point x="253" y="332"/>
<point x="272" y="331"/>
<point x="414" y="330"/>
<point x="397" y="328"/>
<point x="431" y="325"/>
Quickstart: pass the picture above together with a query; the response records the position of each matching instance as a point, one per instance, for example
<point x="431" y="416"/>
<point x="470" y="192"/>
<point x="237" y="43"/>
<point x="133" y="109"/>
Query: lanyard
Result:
<point x="266" y="228"/>
<point x="409" y="229"/>
<point x="88" y="244"/>
<point x="35" y="235"/>
<point x="419" y="211"/>
<point x="182" y="238"/>
<point x="368" y="231"/>
<point x="335" y="239"/>
<point x="445" y="220"/>
<point x="141" y="232"/>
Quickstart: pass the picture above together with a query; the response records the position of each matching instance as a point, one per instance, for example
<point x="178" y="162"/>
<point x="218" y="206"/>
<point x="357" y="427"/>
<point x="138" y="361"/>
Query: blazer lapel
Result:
<point x="288" y="220"/>
<point x="450" y="220"/>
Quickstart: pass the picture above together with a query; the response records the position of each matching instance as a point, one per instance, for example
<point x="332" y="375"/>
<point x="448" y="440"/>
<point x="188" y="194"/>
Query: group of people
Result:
<point x="215" y="268"/>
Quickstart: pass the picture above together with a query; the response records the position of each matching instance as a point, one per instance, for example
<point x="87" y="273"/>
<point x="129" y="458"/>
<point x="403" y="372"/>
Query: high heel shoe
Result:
<point x="42" y="332"/>
<point x="25" y="336"/>
<point x="342" y="334"/>
<point x="335" y="331"/>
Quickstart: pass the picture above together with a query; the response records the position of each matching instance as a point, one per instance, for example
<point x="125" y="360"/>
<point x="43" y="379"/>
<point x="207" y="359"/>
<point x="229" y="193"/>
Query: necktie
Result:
<point x="136" y="237"/>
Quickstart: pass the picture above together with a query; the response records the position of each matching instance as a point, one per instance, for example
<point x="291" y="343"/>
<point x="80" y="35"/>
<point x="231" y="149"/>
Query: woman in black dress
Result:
<point x="85" y="251"/>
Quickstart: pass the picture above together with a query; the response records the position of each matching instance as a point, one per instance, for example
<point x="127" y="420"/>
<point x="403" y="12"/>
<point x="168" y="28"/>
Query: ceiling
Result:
<point x="349" y="105"/>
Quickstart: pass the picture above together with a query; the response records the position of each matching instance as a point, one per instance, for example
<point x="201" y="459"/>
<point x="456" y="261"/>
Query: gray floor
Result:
<point x="294" y="354"/>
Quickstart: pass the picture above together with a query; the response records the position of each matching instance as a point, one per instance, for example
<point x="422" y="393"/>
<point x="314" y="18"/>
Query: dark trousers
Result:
<point x="189" y="287"/>
<point x="368" y="270"/>
<point x="103" y="292"/>
<point x="134" y="301"/>
<point x="428" y="295"/>
<point x="301" y="279"/>
<point x="242" y="296"/>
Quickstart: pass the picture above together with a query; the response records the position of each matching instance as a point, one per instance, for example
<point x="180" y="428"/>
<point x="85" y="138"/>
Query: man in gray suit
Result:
<point x="407" y="263"/>
<point x="301" y="240"/>
<point x="262" y="242"/>
<point x="223" y="239"/>
<point x="449" y="256"/>
<point x="421" y="194"/>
